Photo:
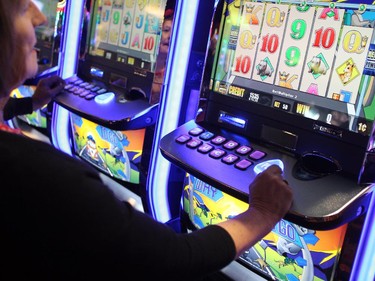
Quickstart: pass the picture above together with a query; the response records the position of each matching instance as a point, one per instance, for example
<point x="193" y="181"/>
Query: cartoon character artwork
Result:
<point x="251" y="13"/>
<point x="264" y="68"/>
<point x="317" y="66"/>
<point x="152" y="24"/>
<point x="90" y="152"/>
<point x="115" y="152"/>
<point x="346" y="73"/>
<point x="118" y="4"/>
<point x="142" y="4"/>
<point x="286" y="81"/>
<point x="129" y="3"/>
<point x="357" y="18"/>
<point x="288" y="252"/>
<point x="127" y="20"/>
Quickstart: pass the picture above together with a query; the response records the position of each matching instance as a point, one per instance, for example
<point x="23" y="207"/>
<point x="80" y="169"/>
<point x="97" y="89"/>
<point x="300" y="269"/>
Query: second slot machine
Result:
<point x="110" y="102"/>
<point x="289" y="84"/>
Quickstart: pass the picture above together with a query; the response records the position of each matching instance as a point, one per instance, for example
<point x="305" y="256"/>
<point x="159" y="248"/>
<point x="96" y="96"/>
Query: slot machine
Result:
<point x="178" y="103"/>
<point x="49" y="51"/>
<point x="289" y="84"/>
<point x="107" y="112"/>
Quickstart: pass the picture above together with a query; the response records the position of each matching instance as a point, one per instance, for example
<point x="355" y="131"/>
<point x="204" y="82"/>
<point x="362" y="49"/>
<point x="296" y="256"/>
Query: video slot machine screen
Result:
<point x="288" y="252"/>
<point x="49" y="34"/>
<point x="299" y="61"/>
<point x="125" y="35"/>
<point x="115" y="153"/>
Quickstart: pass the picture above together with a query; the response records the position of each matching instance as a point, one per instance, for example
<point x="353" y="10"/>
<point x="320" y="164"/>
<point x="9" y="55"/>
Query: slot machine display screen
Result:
<point x="115" y="153"/>
<point x="288" y="252"/>
<point x="315" y="60"/>
<point x="305" y="64"/>
<point x="49" y="34"/>
<point x="126" y="34"/>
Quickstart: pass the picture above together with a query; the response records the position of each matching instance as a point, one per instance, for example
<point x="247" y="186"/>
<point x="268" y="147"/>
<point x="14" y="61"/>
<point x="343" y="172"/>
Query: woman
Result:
<point x="60" y="222"/>
<point x="162" y="56"/>
<point x="24" y="65"/>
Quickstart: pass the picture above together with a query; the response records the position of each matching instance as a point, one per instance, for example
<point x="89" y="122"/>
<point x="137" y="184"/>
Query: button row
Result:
<point x="83" y="89"/>
<point x="219" y="147"/>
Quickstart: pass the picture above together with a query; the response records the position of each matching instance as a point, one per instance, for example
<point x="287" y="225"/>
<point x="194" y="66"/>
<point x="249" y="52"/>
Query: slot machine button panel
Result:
<point x="319" y="203"/>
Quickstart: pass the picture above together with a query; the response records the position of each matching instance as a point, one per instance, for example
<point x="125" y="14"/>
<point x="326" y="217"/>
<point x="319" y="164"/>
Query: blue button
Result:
<point x="104" y="98"/>
<point x="264" y="165"/>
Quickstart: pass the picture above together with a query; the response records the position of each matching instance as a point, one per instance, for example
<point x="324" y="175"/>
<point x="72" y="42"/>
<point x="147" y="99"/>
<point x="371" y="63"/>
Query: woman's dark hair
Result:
<point x="7" y="11"/>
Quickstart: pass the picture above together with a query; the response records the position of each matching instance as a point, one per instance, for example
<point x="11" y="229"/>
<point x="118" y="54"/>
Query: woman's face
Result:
<point x="26" y="19"/>
<point x="165" y="36"/>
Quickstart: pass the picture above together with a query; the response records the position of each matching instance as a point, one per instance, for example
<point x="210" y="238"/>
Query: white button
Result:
<point x="104" y="98"/>
<point x="264" y="165"/>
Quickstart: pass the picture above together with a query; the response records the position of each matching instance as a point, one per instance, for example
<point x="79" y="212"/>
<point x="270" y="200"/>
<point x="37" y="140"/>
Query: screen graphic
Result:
<point x="289" y="252"/>
<point x="115" y="153"/>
